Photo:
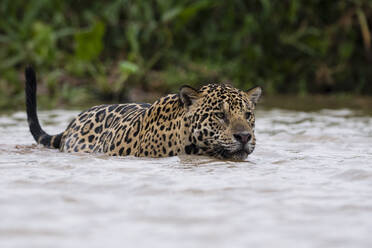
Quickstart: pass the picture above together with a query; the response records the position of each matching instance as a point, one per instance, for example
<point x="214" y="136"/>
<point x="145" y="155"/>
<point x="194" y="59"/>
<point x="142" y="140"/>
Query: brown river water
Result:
<point x="307" y="184"/>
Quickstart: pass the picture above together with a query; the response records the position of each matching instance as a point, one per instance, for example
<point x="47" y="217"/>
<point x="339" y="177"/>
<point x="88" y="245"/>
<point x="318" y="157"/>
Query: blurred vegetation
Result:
<point x="89" y="51"/>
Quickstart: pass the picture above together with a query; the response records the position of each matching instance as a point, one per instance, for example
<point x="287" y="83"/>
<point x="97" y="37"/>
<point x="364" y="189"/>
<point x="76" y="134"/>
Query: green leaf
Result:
<point x="12" y="61"/>
<point x="171" y="14"/>
<point x="43" y="41"/>
<point x="132" y="33"/>
<point x="188" y="13"/>
<point x="128" y="67"/>
<point x="89" y="44"/>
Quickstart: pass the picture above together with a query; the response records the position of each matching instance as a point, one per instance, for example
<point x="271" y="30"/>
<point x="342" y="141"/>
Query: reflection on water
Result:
<point x="308" y="184"/>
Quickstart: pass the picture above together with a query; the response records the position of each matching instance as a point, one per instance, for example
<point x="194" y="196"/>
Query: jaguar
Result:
<point x="216" y="120"/>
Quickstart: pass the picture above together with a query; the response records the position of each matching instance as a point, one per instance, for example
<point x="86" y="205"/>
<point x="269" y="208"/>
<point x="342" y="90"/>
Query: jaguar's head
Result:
<point x="221" y="120"/>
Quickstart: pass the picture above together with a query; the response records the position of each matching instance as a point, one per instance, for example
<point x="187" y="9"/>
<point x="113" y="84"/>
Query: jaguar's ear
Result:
<point x="188" y="95"/>
<point x="254" y="94"/>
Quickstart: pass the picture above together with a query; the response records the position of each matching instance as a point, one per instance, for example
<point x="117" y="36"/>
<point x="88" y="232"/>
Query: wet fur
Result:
<point x="183" y="123"/>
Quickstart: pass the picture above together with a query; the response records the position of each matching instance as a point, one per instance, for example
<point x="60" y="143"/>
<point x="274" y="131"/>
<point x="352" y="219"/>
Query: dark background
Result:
<point x="126" y="50"/>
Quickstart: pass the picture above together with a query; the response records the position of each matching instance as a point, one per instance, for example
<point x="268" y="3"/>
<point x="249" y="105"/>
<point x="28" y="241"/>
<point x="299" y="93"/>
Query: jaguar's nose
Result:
<point x="243" y="137"/>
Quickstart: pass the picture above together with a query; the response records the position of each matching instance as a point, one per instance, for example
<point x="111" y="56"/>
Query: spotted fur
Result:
<point x="216" y="120"/>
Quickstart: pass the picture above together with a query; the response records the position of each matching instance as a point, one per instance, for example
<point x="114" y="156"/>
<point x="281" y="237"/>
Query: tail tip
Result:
<point x="30" y="72"/>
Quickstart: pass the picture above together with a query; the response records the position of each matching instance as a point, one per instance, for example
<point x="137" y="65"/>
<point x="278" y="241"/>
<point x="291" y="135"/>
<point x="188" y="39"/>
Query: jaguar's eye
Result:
<point x="248" y="115"/>
<point x="220" y="115"/>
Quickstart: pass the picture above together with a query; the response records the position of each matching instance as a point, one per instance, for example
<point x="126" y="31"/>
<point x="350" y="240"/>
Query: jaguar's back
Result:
<point x="105" y="129"/>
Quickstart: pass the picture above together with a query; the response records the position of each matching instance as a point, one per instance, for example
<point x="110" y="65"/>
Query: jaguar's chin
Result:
<point x="238" y="155"/>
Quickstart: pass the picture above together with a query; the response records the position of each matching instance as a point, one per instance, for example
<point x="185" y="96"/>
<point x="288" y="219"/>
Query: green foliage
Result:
<point x="89" y="43"/>
<point x="101" y="49"/>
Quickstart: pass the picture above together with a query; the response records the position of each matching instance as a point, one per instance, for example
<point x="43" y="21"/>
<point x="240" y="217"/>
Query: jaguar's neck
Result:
<point x="165" y="130"/>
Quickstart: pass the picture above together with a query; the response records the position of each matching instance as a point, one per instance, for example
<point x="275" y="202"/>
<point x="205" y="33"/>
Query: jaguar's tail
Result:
<point x="41" y="137"/>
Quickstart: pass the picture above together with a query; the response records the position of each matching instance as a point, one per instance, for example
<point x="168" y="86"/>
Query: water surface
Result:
<point x="308" y="184"/>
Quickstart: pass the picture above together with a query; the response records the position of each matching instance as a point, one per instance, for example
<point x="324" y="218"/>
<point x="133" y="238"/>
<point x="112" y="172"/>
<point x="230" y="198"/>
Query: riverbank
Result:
<point x="362" y="104"/>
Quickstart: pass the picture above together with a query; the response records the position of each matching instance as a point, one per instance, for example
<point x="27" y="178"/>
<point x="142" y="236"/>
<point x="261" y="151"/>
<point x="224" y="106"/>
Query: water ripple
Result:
<point x="308" y="184"/>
